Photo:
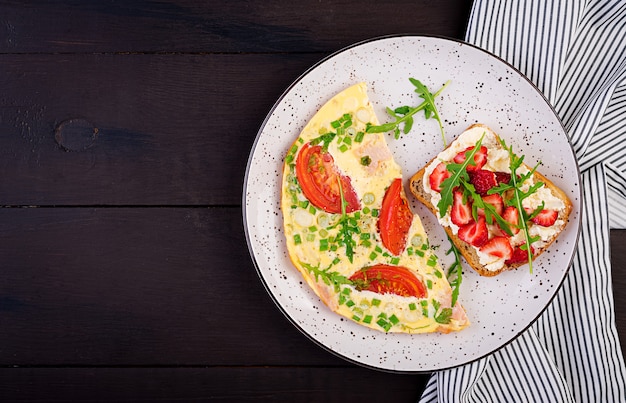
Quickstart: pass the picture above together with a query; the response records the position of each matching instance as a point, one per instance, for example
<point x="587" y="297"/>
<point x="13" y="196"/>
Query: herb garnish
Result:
<point x="455" y="272"/>
<point x="404" y="114"/>
<point x="441" y="316"/>
<point x="519" y="195"/>
<point x="328" y="277"/>
<point x="458" y="173"/>
<point x="489" y="210"/>
<point x="347" y="226"/>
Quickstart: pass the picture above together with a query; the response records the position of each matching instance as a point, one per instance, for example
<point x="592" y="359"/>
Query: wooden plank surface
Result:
<point x="218" y="27"/>
<point x="166" y="124"/>
<point x="231" y="384"/>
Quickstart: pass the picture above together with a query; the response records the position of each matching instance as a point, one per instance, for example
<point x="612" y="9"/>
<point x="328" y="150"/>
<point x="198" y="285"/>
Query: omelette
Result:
<point x="349" y="228"/>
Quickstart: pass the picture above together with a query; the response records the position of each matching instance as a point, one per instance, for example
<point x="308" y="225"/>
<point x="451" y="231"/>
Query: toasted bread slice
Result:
<point x="556" y="200"/>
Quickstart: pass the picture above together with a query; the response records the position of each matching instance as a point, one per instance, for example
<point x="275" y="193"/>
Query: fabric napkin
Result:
<point x="575" y="52"/>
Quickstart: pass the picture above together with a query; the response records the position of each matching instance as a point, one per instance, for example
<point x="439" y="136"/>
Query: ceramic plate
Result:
<point x="483" y="88"/>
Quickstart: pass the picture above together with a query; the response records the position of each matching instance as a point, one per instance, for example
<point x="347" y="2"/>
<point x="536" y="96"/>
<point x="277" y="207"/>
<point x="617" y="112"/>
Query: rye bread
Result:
<point x="468" y="251"/>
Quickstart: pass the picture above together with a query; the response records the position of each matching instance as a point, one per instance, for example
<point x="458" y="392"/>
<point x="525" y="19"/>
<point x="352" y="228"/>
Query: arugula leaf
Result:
<point x="444" y="315"/>
<point x="430" y="110"/>
<point x="348" y="227"/>
<point x="489" y="210"/>
<point x="519" y="195"/>
<point x="403" y="115"/>
<point x="455" y="272"/>
<point x="328" y="277"/>
<point x="458" y="174"/>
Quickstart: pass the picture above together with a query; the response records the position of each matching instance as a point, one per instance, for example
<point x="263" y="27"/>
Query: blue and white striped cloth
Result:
<point x="575" y="52"/>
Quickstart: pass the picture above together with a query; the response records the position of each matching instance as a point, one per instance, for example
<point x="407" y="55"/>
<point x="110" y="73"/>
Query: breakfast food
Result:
<point x="490" y="203"/>
<point x="350" y="231"/>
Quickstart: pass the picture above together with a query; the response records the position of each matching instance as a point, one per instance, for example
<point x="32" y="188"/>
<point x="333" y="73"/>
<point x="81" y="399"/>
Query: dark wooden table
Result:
<point x="125" y="129"/>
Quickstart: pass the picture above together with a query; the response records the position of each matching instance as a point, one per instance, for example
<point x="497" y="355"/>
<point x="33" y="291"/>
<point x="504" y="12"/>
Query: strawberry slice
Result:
<point x="480" y="158"/>
<point x="519" y="255"/>
<point x="503" y="177"/>
<point x="439" y="174"/>
<point x="475" y="233"/>
<point x="546" y="218"/>
<point x="498" y="246"/>
<point x="510" y="215"/>
<point x="495" y="200"/>
<point x="482" y="180"/>
<point x="461" y="213"/>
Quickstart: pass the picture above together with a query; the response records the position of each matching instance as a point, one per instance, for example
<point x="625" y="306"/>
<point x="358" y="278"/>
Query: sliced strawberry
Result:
<point x="546" y="218"/>
<point x="480" y="158"/>
<point x="475" y="233"/>
<point x="495" y="200"/>
<point x="439" y="174"/>
<point x="510" y="215"/>
<point x="461" y="213"/>
<point x="498" y="246"/>
<point x="519" y="255"/>
<point x="482" y="180"/>
<point x="503" y="177"/>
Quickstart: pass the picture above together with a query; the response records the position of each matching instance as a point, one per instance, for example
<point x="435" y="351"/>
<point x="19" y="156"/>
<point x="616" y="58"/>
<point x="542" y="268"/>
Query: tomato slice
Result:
<point x="395" y="218"/>
<point x="385" y="279"/>
<point x="320" y="178"/>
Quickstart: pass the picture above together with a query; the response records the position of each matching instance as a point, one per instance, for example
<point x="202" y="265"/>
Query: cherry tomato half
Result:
<point x="395" y="218"/>
<point x="319" y="179"/>
<point x="385" y="279"/>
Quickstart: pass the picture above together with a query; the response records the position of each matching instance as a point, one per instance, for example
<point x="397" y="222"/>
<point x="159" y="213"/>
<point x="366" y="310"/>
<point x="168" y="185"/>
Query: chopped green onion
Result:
<point x="359" y="137"/>
<point x="383" y="323"/>
<point x="375" y="212"/>
<point x="297" y="239"/>
<point x="412" y="306"/>
<point x="323" y="245"/>
<point x="375" y="302"/>
<point x="343" y="148"/>
<point x="367" y="319"/>
<point x="350" y="303"/>
<point x="394" y="319"/>
<point x="373" y="255"/>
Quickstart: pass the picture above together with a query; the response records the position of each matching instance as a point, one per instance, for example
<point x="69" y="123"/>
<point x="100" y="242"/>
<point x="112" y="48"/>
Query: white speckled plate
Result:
<point x="483" y="89"/>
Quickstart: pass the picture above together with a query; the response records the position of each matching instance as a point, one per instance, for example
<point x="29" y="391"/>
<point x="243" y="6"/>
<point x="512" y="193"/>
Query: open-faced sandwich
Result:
<point x="490" y="203"/>
<point x="350" y="231"/>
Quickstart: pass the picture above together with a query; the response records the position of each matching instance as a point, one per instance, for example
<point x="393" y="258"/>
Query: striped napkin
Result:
<point x="575" y="52"/>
